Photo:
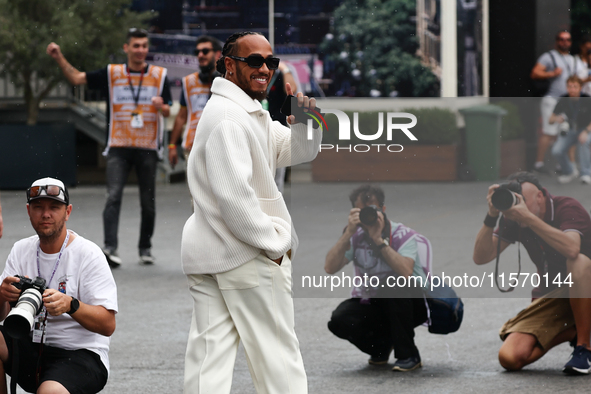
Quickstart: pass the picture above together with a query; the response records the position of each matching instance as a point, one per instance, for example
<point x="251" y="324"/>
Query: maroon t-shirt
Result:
<point x="563" y="213"/>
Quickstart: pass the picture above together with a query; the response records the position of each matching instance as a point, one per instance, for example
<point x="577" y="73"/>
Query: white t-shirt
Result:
<point x="83" y="273"/>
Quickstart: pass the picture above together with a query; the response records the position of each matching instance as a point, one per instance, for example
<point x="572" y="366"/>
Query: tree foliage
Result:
<point x="372" y="47"/>
<point x="88" y="32"/>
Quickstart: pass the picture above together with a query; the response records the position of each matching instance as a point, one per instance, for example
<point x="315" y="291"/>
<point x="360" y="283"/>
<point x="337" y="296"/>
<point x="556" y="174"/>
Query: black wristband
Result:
<point x="490" y="221"/>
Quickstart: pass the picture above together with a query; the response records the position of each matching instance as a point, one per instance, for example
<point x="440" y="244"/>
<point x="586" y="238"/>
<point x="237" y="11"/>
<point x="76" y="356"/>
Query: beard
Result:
<point x="244" y="84"/>
<point x="50" y="234"/>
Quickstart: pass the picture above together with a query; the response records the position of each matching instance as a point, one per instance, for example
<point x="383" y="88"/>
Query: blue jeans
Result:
<point x="119" y="164"/>
<point x="560" y="152"/>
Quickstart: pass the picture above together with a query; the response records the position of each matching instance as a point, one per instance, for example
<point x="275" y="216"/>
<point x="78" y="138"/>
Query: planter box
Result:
<point x="414" y="163"/>
<point x="512" y="157"/>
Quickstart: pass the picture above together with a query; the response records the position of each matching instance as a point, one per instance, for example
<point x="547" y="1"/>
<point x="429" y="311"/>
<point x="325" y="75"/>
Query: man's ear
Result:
<point x="383" y="208"/>
<point x="125" y="47"/>
<point x="230" y="65"/>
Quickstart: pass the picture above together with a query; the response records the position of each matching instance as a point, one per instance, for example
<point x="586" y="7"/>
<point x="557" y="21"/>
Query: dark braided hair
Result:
<point x="230" y="49"/>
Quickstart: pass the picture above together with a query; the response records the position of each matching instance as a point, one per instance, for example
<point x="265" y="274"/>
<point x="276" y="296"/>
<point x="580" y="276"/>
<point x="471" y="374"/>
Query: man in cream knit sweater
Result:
<point x="236" y="247"/>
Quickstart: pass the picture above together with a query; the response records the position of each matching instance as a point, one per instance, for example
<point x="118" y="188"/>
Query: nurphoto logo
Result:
<point x="345" y="130"/>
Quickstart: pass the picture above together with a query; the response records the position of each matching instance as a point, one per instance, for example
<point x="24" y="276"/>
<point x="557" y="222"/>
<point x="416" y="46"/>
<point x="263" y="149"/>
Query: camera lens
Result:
<point x="368" y="215"/>
<point x="19" y="321"/>
<point x="503" y="199"/>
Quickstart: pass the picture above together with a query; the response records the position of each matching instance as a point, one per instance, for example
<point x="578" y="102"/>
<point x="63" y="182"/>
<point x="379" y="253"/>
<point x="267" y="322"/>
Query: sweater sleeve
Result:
<point x="292" y="144"/>
<point x="229" y="166"/>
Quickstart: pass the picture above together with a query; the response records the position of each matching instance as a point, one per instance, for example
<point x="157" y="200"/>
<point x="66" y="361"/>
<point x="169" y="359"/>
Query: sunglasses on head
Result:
<point x="50" y="190"/>
<point x="257" y="61"/>
<point x="204" y="50"/>
<point x="134" y="29"/>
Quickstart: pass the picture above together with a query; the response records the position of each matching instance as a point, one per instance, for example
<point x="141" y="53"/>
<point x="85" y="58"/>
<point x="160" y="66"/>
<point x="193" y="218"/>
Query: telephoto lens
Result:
<point x="503" y="199"/>
<point x="19" y="322"/>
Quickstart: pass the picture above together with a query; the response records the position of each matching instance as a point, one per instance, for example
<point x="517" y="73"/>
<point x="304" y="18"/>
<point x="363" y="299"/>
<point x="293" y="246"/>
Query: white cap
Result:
<point x="63" y="195"/>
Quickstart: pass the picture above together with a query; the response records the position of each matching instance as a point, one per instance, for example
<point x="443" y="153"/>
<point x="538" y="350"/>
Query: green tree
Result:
<point x="88" y="32"/>
<point x="372" y="47"/>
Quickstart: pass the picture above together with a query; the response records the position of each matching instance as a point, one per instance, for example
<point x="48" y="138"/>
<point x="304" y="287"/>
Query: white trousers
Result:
<point x="251" y="303"/>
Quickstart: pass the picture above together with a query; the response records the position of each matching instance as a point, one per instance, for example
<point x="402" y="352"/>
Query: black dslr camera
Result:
<point x="504" y="196"/>
<point x="19" y="321"/>
<point x="369" y="215"/>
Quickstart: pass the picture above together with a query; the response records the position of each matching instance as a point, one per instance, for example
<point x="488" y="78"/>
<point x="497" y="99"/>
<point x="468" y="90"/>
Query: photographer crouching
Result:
<point x="556" y="232"/>
<point x="378" y="318"/>
<point x="58" y="300"/>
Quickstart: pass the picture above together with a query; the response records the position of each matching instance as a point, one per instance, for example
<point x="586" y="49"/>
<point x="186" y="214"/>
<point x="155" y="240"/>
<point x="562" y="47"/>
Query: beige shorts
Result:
<point x="544" y="318"/>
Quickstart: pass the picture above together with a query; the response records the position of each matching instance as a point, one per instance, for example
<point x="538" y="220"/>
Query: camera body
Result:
<point x="504" y="196"/>
<point x="19" y="321"/>
<point x="369" y="215"/>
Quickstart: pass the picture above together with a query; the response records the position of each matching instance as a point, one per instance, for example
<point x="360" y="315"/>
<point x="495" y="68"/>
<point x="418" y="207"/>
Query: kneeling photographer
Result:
<point x="556" y="232"/>
<point x="378" y="318"/>
<point x="58" y="300"/>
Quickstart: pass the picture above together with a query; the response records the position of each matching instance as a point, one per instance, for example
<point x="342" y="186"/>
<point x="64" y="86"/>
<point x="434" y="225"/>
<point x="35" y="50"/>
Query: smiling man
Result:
<point x="238" y="244"/>
<point x="138" y="96"/>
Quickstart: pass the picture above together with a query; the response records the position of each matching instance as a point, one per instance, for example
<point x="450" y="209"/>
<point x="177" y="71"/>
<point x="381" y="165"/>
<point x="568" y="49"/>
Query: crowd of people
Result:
<point x="563" y="79"/>
<point x="239" y="242"/>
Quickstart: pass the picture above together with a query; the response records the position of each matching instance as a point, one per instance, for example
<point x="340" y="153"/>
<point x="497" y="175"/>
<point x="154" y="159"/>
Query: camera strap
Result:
<point x="510" y="288"/>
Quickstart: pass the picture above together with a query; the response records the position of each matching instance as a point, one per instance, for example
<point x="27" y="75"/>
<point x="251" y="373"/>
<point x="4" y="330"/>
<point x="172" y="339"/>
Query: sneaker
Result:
<point x="566" y="178"/>
<point x="112" y="257"/>
<point x="575" y="170"/>
<point x="408" y="364"/>
<point x="579" y="362"/>
<point x="585" y="179"/>
<point x="381" y="359"/>
<point x="146" y="257"/>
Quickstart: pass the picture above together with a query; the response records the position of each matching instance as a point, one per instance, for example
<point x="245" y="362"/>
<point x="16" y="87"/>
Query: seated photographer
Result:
<point x="60" y="312"/>
<point x="381" y="318"/>
<point x="574" y="116"/>
<point x="556" y="232"/>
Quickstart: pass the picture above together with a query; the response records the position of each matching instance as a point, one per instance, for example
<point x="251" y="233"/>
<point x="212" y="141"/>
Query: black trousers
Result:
<point x="382" y="324"/>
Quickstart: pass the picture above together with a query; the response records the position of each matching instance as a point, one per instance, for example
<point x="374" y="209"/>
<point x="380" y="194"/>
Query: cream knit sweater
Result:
<point x="239" y="212"/>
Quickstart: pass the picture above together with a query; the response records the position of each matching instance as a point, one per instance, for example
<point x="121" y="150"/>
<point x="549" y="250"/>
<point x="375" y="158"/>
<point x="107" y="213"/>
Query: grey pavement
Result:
<point x="147" y="348"/>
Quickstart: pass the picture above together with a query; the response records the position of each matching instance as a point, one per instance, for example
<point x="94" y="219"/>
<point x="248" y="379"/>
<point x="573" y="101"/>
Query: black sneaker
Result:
<point x="146" y="257"/>
<point x="408" y="364"/>
<point x="579" y="362"/>
<point x="112" y="257"/>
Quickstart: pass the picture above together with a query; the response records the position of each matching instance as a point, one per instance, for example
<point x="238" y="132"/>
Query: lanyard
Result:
<point x="136" y="99"/>
<point x="57" y="262"/>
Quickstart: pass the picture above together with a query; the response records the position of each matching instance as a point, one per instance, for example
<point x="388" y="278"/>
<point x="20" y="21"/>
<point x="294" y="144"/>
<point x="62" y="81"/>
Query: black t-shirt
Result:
<point x="99" y="80"/>
<point x="579" y="109"/>
<point x="563" y="213"/>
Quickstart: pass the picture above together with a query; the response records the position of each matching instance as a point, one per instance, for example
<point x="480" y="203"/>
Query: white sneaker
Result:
<point x="586" y="179"/>
<point x="566" y="178"/>
<point x="575" y="170"/>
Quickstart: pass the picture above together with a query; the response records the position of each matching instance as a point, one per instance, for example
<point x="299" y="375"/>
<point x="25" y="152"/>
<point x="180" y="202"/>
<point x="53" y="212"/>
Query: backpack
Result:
<point x="445" y="310"/>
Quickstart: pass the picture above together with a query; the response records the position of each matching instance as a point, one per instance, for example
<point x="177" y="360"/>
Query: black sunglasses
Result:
<point x="257" y="61"/>
<point x="204" y="50"/>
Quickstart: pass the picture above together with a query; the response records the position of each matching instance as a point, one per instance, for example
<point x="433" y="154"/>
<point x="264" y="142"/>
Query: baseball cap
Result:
<point x="48" y="188"/>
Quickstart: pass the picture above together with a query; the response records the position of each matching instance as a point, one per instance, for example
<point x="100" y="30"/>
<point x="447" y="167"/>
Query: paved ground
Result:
<point x="147" y="349"/>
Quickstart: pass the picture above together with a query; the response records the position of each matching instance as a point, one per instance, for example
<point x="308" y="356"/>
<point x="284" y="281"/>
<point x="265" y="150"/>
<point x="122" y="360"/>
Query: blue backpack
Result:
<point x="444" y="308"/>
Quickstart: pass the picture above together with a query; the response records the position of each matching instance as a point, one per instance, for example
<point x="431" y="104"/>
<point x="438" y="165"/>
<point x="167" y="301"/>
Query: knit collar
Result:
<point x="233" y="92"/>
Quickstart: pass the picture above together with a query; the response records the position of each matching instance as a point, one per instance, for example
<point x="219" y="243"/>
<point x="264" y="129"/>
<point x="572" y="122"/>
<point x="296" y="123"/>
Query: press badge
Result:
<point x="137" y="121"/>
<point x="39" y="327"/>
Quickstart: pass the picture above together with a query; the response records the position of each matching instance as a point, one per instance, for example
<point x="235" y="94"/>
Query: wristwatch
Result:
<point x="74" y="305"/>
<point x="382" y="245"/>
